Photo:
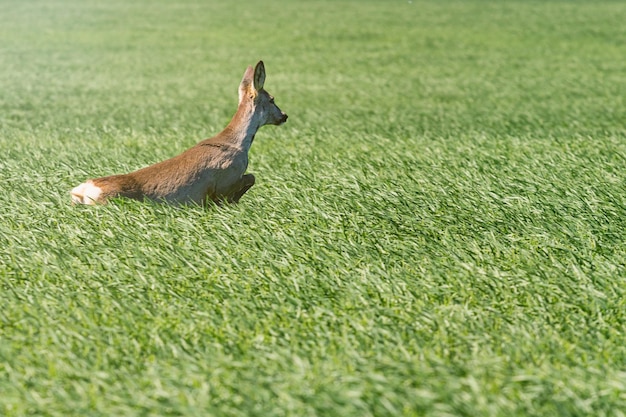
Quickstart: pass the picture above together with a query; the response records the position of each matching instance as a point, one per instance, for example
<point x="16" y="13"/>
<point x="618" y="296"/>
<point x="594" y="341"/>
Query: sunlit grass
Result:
<point x="437" y="230"/>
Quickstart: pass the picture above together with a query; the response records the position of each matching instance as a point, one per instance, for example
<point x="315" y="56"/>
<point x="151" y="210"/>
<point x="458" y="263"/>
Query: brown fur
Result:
<point x="212" y="170"/>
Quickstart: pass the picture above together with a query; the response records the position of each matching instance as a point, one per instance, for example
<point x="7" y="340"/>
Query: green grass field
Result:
<point x="439" y="229"/>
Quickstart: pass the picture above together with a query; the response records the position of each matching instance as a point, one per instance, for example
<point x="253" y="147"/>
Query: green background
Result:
<point x="438" y="229"/>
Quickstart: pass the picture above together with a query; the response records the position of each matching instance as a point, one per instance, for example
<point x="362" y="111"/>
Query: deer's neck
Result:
<point x="242" y="128"/>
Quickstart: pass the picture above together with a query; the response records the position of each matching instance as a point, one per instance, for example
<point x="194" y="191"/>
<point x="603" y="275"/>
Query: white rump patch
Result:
<point x="86" y="193"/>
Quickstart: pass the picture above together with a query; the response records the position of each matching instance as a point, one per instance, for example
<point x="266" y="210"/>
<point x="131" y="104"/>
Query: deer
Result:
<point x="211" y="171"/>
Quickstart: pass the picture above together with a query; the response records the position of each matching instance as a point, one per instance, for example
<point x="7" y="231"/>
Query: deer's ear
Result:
<point x="246" y="83"/>
<point x="259" y="76"/>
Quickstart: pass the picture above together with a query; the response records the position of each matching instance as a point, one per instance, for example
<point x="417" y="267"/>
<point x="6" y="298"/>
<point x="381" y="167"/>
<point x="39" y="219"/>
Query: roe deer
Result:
<point x="212" y="170"/>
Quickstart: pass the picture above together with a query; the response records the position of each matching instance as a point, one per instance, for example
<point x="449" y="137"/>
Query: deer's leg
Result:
<point x="244" y="184"/>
